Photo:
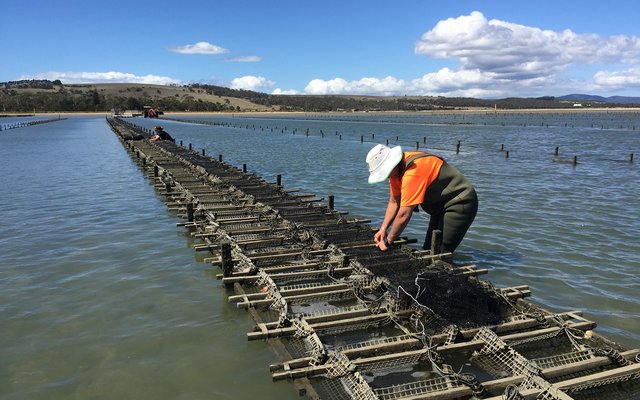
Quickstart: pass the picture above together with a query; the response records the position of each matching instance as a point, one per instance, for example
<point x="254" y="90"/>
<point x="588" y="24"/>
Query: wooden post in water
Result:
<point x="436" y="241"/>
<point x="202" y="152"/>
<point x="190" y="212"/>
<point x="227" y="260"/>
<point x="575" y="160"/>
<point x="507" y="154"/>
<point x="220" y="157"/>
<point x="557" y="151"/>
<point x="344" y="261"/>
<point x="244" y="168"/>
<point x="331" y="201"/>
<point x="361" y="138"/>
<point x="631" y="157"/>
<point x="458" y="147"/>
<point x="189" y="146"/>
<point x="279" y="180"/>
<point x="387" y="142"/>
<point x="417" y="145"/>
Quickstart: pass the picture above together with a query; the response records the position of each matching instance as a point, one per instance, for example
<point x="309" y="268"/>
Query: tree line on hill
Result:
<point x="53" y="96"/>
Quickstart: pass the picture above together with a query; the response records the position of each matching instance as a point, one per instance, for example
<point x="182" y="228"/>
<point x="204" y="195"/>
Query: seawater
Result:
<point x="101" y="295"/>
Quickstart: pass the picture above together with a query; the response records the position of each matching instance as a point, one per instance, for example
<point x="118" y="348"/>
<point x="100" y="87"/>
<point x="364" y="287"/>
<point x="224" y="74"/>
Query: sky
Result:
<point x="484" y="49"/>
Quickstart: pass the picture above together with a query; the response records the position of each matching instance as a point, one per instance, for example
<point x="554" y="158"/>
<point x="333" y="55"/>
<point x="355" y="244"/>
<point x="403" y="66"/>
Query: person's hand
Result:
<point x="383" y="245"/>
<point x="379" y="236"/>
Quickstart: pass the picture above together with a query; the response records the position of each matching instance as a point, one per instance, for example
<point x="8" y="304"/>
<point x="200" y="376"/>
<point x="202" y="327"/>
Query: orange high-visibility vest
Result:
<point x="416" y="177"/>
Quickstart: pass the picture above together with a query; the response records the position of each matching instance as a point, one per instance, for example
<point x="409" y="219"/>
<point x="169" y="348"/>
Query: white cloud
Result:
<point x="364" y="86"/>
<point x="199" y="48"/>
<point x="618" y="79"/>
<point x="244" y="59"/>
<point x="102" y="77"/>
<point x="444" y="82"/>
<point x="251" y="82"/>
<point x="446" y="79"/>
<point x="333" y="86"/>
<point x="285" y="92"/>
<point x="513" y="51"/>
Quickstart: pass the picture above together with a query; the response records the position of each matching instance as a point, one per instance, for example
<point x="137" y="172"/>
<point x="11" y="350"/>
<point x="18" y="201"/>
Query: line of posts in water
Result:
<point x="6" y="127"/>
<point x="363" y="139"/>
<point x="418" y="145"/>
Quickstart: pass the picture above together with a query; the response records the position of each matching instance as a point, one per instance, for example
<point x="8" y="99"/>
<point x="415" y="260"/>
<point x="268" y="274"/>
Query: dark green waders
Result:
<point x="452" y="203"/>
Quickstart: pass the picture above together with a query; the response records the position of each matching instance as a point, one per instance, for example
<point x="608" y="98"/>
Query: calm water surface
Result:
<point x="101" y="295"/>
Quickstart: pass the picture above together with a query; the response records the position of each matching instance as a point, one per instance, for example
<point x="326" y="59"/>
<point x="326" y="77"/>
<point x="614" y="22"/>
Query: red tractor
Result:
<point x="151" y="112"/>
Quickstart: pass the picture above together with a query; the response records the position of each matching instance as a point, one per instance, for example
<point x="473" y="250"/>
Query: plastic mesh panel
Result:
<point x="416" y="388"/>
<point x="407" y="359"/>
<point x="498" y="359"/>
<point x="563" y="359"/>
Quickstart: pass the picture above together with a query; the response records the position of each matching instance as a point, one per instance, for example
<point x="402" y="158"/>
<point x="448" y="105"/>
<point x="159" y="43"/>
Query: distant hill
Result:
<point x="54" y="96"/>
<point x="609" y="100"/>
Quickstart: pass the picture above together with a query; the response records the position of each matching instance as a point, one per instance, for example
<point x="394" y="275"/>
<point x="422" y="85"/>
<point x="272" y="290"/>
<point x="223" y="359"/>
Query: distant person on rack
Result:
<point x="417" y="178"/>
<point x="161" y="134"/>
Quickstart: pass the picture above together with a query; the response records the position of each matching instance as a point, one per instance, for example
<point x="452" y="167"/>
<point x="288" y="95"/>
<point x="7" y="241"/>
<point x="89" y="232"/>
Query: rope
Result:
<point x="414" y="299"/>
<point x="512" y="392"/>
<point x="574" y="335"/>
<point x="472" y="382"/>
<point x="613" y="354"/>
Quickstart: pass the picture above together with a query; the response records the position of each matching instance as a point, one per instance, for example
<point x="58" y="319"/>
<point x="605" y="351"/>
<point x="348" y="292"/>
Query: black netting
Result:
<point x="455" y="298"/>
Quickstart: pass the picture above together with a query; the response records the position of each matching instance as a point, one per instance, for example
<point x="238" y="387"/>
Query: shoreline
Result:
<point x="428" y="112"/>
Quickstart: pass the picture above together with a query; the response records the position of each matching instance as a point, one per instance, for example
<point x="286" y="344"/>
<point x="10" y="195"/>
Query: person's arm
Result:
<point x="399" y="223"/>
<point x="389" y="217"/>
<point x="403" y="217"/>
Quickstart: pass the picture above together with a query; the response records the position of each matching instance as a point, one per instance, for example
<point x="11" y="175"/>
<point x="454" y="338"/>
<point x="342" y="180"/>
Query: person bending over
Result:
<point x="161" y="134"/>
<point x="417" y="178"/>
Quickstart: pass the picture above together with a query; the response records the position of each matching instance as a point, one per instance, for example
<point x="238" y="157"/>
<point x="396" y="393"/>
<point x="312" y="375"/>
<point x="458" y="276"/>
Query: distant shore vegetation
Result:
<point x="54" y="96"/>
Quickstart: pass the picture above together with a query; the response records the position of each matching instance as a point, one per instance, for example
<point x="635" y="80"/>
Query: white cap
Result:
<point x="382" y="160"/>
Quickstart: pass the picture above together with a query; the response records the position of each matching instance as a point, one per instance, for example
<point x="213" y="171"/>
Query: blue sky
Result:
<point x="487" y="49"/>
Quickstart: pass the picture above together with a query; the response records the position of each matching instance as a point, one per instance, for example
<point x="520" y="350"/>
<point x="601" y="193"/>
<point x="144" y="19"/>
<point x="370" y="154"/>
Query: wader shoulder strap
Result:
<point x="411" y="159"/>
